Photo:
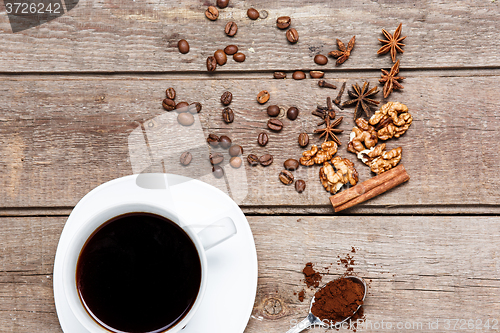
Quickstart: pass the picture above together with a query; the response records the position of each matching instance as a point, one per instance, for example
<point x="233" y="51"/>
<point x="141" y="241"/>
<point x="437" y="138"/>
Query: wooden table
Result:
<point x="73" y="89"/>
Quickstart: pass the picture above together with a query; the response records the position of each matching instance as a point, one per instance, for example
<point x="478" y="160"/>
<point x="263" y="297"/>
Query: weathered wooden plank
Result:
<point x="142" y="35"/>
<point x="419" y="269"/>
<point x="61" y="137"/>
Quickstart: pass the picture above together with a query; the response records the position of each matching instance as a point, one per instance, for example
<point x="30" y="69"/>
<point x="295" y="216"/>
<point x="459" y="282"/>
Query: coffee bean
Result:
<point x="279" y="75"/>
<point x="220" y="57"/>
<point x="186" y="158"/>
<point x="292" y="35"/>
<point x="211" y="64"/>
<point x="185" y="119"/>
<point x="283" y="22"/>
<point x="252" y="13"/>
<point x="286" y="177"/>
<point x="263" y="97"/>
<point x="262" y="139"/>
<point x="236" y="150"/>
<point x="299" y="75"/>
<point x="183" y="46"/>
<point x="316" y="74"/>
<point x="170" y="92"/>
<point x="291" y="164"/>
<point x="218" y="171"/>
<point x="194" y="108"/>
<point x="213" y="140"/>
<point x="222" y="3"/>
<point x="252" y="159"/>
<point x="225" y="141"/>
<point x="239" y="57"/>
<point x="275" y="124"/>
<point x="228" y="115"/>
<point x="273" y="110"/>
<point x="216" y="158"/>
<point x="320" y="59"/>
<point x="266" y="160"/>
<point x="235" y="162"/>
<point x="168" y="104"/>
<point x="231" y="49"/>
<point x="303" y="139"/>
<point x="212" y="13"/>
<point x="292" y="113"/>
<point x="231" y="29"/>
<point x="182" y="105"/>
<point x="300" y="185"/>
<point x="226" y="98"/>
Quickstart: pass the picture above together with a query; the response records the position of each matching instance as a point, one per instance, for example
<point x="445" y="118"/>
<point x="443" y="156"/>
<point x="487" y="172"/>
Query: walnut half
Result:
<point x="380" y="160"/>
<point x="391" y="120"/>
<point x="333" y="180"/>
<point x="363" y="136"/>
<point x="316" y="156"/>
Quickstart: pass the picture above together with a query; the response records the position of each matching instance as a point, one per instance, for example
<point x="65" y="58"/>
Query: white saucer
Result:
<point x="232" y="265"/>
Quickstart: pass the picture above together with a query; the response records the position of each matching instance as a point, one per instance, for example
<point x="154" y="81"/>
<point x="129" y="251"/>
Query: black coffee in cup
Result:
<point x="138" y="272"/>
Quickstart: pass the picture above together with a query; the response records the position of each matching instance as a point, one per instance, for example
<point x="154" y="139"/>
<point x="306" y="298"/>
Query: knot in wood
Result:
<point x="273" y="307"/>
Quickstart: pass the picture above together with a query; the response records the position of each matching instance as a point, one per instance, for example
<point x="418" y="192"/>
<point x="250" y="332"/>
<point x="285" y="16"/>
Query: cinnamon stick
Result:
<point x="369" y="188"/>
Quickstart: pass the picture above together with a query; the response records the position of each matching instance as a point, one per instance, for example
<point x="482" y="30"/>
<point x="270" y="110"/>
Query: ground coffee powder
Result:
<point x="337" y="300"/>
<point x="313" y="278"/>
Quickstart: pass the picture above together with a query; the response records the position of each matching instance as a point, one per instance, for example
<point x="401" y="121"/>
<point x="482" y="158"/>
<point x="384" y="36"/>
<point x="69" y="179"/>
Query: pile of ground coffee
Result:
<point x="313" y="278"/>
<point x="337" y="300"/>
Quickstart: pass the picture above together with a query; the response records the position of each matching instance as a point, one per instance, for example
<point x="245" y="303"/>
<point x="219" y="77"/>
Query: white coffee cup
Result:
<point x="148" y="197"/>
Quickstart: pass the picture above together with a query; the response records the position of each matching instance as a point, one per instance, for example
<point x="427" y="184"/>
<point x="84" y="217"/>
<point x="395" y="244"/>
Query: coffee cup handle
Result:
<point x="217" y="232"/>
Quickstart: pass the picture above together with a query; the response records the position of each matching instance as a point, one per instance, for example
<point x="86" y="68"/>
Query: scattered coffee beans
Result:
<point x="262" y="139"/>
<point x="226" y="98"/>
<point x="221" y="57"/>
<point x="231" y="29"/>
<point x="291" y="164"/>
<point x="186" y="158"/>
<point x="225" y="141"/>
<point x="231" y="49"/>
<point x="228" y="115"/>
<point x="263" y="97"/>
<point x="212" y="13"/>
<point x="292" y="35"/>
<point x="211" y="64"/>
<point x="236" y="150"/>
<point x="194" y="108"/>
<point x="183" y="46"/>
<point x="266" y="160"/>
<point x="252" y="159"/>
<point x="168" y="104"/>
<point x="283" y="22"/>
<point x="275" y="124"/>
<point x="279" y="75"/>
<point x="170" y="92"/>
<point x="235" y="162"/>
<point x="320" y="59"/>
<point x="185" y="119"/>
<point x="292" y="113"/>
<point x="182" y="106"/>
<point x="216" y="158"/>
<point x="213" y="140"/>
<point x="239" y="57"/>
<point x="222" y="3"/>
<point x="273" y="110"/>
<point x="252" y="13"/>
<point x="299" y="75"/>
<point x="286" y="177"/>
<point x="303" y="139"/>
<point x="300" y="185"/>
<point x="316" y="74"/>
<point x="218" y="171"/>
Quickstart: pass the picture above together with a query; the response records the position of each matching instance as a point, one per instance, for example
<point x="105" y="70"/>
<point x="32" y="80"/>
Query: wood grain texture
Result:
<point x="61" y="137"/>
<point x="419" y="269"/>
<point x="142" y="35"/>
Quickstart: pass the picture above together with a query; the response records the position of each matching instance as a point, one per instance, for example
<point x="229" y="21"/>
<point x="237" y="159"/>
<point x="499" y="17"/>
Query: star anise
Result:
<point x="391" y="79"/>
<point x="361" y="96"/>
<point x="330" y="130"/>
<point x="393" y="43"/>
<point x="325" y="112"/>
<point x="344" y="52"/>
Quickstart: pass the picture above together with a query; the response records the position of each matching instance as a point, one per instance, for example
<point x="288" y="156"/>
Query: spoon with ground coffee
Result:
<point x="328" y="309"/>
